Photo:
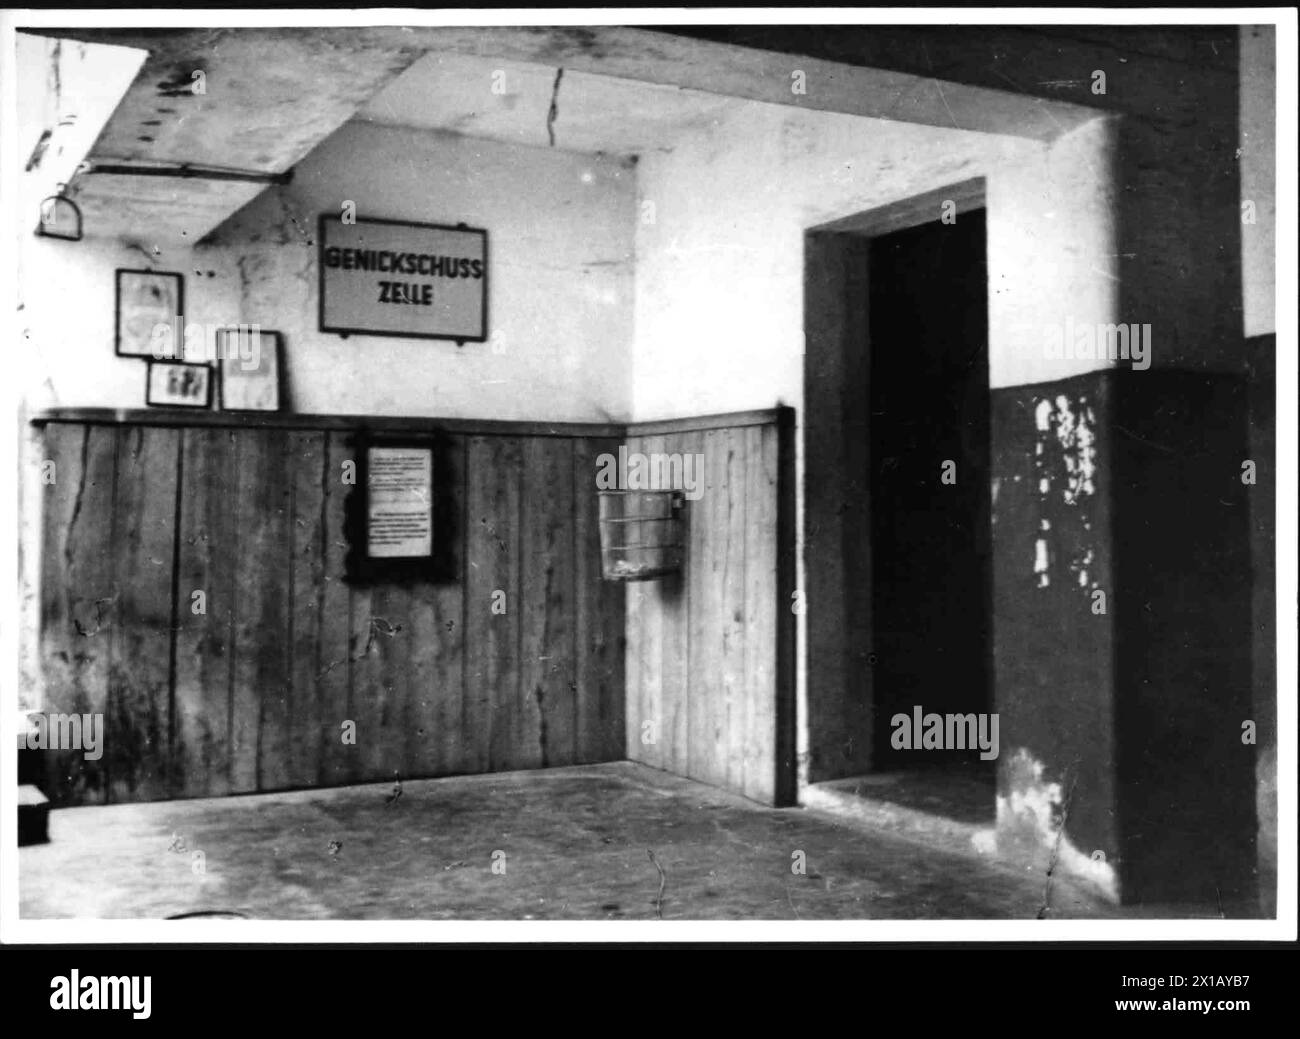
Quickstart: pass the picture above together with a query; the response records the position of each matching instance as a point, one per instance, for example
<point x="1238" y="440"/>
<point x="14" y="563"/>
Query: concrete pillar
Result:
<point x="1122" y="606"/>
<point x="1120" y="490"/>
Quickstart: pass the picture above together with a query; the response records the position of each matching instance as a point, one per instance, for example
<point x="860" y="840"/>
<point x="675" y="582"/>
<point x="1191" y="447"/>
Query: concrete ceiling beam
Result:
<point x="260" y="99"/>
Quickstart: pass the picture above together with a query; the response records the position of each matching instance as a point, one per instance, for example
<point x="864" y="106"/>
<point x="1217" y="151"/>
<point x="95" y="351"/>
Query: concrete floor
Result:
<point x="577" y="844"/>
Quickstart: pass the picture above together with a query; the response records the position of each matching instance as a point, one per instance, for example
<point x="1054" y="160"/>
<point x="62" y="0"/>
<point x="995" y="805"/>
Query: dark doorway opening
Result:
<point x="897" y="510"/>
<point x="928" y="484"/>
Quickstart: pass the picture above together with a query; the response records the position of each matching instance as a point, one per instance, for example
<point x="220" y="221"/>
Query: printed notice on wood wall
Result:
<point x="399" y="520"/>
<point x="423" y="281"/>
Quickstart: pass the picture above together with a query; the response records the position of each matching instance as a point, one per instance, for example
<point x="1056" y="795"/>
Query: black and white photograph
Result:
<point x="853" y="498"/>
<point x="179" y="385"/>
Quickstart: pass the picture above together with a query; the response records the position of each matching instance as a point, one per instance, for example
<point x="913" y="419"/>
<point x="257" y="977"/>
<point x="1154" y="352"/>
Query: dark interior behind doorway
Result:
<point x="928" y="394"/>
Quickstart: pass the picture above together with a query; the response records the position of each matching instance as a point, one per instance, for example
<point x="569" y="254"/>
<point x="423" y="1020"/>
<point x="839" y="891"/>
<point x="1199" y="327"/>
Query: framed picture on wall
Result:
<point x="145" y="300"/>
<point x="175" y="384"/>
<point x="248" y="365"/>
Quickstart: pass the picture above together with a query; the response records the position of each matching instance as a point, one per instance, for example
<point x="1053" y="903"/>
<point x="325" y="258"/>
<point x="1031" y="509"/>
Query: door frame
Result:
<point x="837" y="691"/>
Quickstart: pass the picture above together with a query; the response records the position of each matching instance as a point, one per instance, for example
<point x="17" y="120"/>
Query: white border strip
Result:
<point x="13" y="929"/>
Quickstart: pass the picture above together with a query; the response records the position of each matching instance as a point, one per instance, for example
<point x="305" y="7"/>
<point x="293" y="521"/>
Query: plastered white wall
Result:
<point x="719" y="294"/>
<point x="67" y="298"/>
<point x="560" y="285"/>
<point x="560" y="231"/>
<point x="721" y="221"/>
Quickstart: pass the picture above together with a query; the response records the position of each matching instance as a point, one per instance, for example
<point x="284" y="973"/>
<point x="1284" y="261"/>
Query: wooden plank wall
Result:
<point x="710" y="652"/>
<point x="192" y="593"/>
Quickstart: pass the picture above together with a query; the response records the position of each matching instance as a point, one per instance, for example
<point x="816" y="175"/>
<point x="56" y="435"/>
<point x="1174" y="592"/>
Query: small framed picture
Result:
<point x="175" y="384"/>
<point x="145" y="300"/>
<point x="248" y="363"/>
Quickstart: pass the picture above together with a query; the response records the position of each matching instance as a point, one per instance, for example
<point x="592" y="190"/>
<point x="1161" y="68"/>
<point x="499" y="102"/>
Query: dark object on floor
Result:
<point x="33" y="816"/>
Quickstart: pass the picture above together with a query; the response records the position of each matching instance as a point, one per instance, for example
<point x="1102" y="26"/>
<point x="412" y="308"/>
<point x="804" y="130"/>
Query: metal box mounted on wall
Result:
<point x="642" y="534"/>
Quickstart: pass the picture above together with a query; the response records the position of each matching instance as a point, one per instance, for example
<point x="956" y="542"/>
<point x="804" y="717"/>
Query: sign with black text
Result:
<point x="399" y="523"/>
<point x="423" y="281"/>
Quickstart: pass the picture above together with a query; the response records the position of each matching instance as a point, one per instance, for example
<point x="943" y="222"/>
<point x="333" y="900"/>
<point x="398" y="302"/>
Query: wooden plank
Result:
<point x="376" y="617"/>
<point x="493" y="470"/>
<point x="787" y="639"/>
<point x="440" y="708"/>
<point x="706" y="759"/>
<point x="417" y="650"/>
<point x="206" y="565"/>
<point x="275" y="604"/>
<point x="339" y="760"/>
<point x="713" y="624"/>
<point x="171" y="419"/>
<point x="638" y="711"/>
<point x="137" y="727"/>
<point x="733" y="709"/>
<point x="644" y="734"/>
<point x="676" y="635"/>
<point x="307" y="453"/>
<point x="761" y="606"/>
<point x="400" y="423"/>
<point x="78" y="596"/>
<point x="259" y="733"/>
<point x="650" y="632"/>
<point x="587" y="587"/>
<point x="599" y="618"/>
<point x="548" y="676"/>
<point x="702" y="423"/>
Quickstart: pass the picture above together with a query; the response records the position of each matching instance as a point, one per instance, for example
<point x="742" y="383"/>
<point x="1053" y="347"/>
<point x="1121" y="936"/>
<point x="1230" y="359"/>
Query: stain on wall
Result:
<point x="1053" y="686"/>
<point x="1121" y="717"/>
<point x="1033" y="825"/>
